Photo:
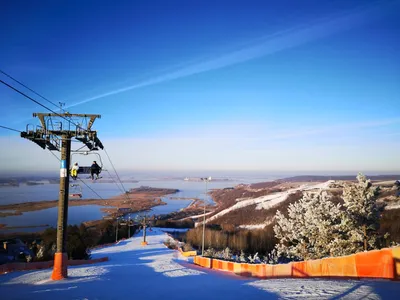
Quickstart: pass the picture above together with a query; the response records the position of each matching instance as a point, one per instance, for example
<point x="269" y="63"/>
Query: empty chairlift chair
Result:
<point x="75" y="191"/>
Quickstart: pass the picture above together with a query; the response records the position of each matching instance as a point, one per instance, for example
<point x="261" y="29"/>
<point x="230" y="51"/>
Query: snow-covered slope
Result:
<point x="156" y="272"/>
<point x="268" y="201"/>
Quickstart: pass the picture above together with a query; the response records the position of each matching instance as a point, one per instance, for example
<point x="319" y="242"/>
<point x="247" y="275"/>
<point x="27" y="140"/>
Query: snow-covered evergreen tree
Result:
<point x="362" y="213"/>
<point x="210" y="252"/>
<point x="312" y="228"/>
<point x="242" y="257"/>
<point x="316" y="228"/>
<point x="227" y="254"/>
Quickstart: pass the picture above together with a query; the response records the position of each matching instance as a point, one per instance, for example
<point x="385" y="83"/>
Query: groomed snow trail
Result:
<point x="156" y="272"/>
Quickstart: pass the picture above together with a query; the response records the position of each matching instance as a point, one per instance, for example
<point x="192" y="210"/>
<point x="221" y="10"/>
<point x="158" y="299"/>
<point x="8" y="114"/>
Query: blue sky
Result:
<point x="211" y="85"/>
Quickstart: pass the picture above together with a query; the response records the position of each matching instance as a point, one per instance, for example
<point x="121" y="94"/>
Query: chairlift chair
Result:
<point x="87" y="169"/>
<point x="76" y="191"/>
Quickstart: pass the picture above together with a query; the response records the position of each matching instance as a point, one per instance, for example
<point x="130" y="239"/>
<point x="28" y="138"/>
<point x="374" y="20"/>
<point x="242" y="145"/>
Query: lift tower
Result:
<point x="55" y="134"/>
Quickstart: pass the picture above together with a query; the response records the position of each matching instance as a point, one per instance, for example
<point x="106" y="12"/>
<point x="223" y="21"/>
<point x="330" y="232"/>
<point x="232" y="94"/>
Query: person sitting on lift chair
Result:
<point x="95" y="169"/>
<point x="74" y="171"/>
<point x="397" y="185"/>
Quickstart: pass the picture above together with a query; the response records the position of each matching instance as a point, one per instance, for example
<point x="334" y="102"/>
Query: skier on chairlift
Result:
<point x="95" y="169"/>
<point x="74" y="171"/>
<point x="397" y="185"/>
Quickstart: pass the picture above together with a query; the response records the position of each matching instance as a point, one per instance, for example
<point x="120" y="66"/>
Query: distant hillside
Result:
<point x="314" y="178"/>
<point x="254" y="206"/>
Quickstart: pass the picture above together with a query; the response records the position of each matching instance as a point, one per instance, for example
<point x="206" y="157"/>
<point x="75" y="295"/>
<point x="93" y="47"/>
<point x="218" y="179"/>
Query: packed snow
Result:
<point x="156" y="272"/>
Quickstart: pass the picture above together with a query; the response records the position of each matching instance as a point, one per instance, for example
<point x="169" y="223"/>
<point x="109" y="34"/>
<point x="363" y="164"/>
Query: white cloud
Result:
<point x="270" y="44"/>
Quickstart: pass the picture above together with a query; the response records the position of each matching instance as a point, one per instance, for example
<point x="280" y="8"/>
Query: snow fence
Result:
<point x="384" y="263"/>
<point x="17" y="266"/>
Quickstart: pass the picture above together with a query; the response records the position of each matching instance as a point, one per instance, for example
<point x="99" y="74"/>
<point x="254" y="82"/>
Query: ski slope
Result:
<point x="156" y="272"/>
<point x="268" y="201"/>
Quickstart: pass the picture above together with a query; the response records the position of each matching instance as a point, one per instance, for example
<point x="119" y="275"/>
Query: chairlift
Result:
<point x="76" y="191"/>
<point x="87" y="169"/>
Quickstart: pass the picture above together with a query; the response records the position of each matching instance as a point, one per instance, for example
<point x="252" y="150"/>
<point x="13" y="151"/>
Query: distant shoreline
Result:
<point x="136" y="200"/>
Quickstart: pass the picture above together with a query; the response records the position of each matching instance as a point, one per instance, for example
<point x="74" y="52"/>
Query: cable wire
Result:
<point x="28" y="88"/>
<point x="42" y="105"/>
<point x="116" y="183"/>
<point x="94" y="192"/>
<point x="116" y="173"/>
<point x="91" y="189"/>
<point x="5" y="127"/>
<point x="68" y="120"/>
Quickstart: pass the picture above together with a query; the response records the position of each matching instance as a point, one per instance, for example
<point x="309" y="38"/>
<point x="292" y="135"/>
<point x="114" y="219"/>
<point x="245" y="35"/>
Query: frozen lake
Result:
<point x="79" y="214"/>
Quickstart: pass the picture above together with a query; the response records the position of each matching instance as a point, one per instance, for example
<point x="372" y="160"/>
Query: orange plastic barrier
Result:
<point x="299" y="269"/>
<point x="203" y="261"/>
<point x="282" y="270"/>
<point x="376" y="263"/>
<point x="384" y="263"/>
<point x="313" y="268"/>
<point x="396" y="262"/>
<point x="344" y="266"/>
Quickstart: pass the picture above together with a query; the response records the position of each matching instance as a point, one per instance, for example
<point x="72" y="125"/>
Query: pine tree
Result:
<point x="316" y="228"/>
<point x="362" y="213"/>
<point x="312" y="228"/>
<point x="242" y="257"/>
<point x="227" y="254"/>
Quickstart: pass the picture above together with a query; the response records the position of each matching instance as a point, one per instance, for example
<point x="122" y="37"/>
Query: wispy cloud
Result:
<point x="258" y="131"/>
<point x="265" y="46"/>
<point x="344" y="128"/>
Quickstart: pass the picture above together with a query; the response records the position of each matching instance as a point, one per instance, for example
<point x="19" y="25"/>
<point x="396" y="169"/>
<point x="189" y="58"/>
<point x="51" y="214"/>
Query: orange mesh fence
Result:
<point x="299" y="269"/>
<point x="344" y="266"/>
<point x="269" y="270"/>
<point x="245" y="270"/>
<point x="396" y="262"/>
<point x="376" y="263"/>
<point x="283" y="270"/>
<point x="237" y="268"/>
<point x="230" y="266"/>
<point x="203" y="261"/>
<point x="383" y="263"/>
<point x="313" y="268"/>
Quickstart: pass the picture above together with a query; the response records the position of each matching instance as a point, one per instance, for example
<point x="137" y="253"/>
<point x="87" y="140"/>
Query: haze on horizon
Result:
<point x="199" y="86"/>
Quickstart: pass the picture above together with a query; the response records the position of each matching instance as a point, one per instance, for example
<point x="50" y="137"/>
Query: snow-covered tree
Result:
<point x="255" y="259"/>
<point x="362" y="213"/>
<point x="316" y="228"/>
<point x="227" y="254"/>
<point x="210" y="252"/>
<point x="312" y="229"/>
<point x="242" y="257"/>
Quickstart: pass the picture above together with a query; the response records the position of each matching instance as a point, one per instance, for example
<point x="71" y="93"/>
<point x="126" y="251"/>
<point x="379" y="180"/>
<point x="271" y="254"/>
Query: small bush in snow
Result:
<point x="171" y="244"/>
<point x="254" y="259"/>
<point x="242" y="257"/>
<point x="187" y="247"/>
<point x="210" y="252"/>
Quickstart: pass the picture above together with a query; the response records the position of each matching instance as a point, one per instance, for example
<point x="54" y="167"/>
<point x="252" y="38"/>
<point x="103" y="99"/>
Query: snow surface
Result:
<point x="251" y="227"/>
<point x="391" y="206"/>
<point x="156" y="272"/>
<point x="268" y="201"/>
